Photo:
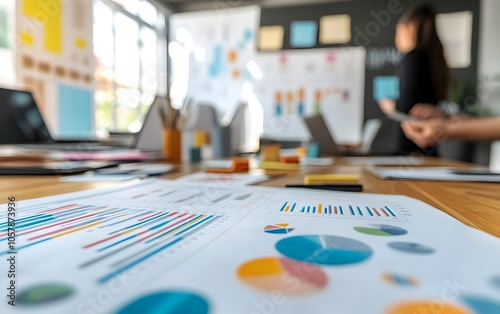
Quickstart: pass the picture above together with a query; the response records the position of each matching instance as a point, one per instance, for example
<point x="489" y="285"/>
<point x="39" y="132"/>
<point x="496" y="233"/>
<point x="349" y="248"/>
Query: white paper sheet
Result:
<point x="386" y="161"/>
<point x="432" y="174"/>
<point x="100" y="178"/>
<point x="455" y="31"/>
<point x="233" y="179"/>
<point x="238" y="250"/>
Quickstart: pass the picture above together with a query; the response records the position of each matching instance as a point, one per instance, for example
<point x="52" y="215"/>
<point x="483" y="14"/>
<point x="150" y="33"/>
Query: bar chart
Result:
<point x="125" y="237"/>
<point x="338" y="209"/>
<point x="112" y="232"/>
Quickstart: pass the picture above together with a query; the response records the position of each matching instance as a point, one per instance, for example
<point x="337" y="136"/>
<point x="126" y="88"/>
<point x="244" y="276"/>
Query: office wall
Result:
<point x="54" y="59"/>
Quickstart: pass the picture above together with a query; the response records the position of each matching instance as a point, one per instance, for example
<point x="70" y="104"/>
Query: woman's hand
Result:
<point x="426" y="111"/>
<point x="426" y="133"/>
<point x="388" y="106"/>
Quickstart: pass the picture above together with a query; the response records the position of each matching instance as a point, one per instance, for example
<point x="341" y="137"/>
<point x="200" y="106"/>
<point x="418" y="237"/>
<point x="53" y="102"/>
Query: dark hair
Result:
<point x="424" y="19"/>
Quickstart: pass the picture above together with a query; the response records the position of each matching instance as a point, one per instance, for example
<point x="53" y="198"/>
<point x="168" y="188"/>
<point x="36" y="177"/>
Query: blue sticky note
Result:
<point x="386" y="87"/>
<point x="303" y="34"/>
<point x="75" y="112"/>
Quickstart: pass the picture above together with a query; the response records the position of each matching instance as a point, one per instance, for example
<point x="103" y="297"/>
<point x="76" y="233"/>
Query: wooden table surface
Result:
<point x="475" y="204"/>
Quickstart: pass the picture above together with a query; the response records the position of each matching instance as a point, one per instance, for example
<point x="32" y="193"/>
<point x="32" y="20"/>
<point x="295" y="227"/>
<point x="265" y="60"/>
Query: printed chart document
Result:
<point x="167" y="247"/>
<point x="431" y="174"/>
<point x="231" y="179"/>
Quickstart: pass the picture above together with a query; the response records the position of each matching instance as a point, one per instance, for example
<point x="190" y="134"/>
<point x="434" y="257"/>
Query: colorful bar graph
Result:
<point x="343" y="210"/>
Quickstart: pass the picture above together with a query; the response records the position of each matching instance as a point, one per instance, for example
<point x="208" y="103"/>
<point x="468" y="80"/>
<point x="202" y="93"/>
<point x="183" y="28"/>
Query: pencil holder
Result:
<point x="172" y="145"/>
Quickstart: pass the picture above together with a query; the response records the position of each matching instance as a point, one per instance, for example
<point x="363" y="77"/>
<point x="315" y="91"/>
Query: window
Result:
<point x="130" y="52"/>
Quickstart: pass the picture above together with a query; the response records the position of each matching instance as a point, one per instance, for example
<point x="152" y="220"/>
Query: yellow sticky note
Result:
<point x="27" y="38"/>
<point x="330" y="178"/>
<point x="335" y="29"/>
<point x="276" y="165"/>
<point x="80" y="43"/>
<point x="271" y="37"/>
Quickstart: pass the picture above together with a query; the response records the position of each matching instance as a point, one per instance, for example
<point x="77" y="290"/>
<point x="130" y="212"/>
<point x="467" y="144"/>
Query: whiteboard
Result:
<point x="299" y="83"/>
<point x="209" y="52"/>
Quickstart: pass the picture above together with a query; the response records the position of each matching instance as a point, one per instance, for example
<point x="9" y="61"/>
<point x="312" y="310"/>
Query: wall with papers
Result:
<point x="55" y="60"/>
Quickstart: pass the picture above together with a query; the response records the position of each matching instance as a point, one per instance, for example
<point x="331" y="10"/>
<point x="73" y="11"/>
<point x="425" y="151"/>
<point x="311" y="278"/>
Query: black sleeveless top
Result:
<point x="416" y="86"/>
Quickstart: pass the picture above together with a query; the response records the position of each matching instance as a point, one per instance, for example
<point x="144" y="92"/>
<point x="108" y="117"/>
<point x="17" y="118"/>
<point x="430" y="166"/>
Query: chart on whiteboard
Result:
<point x="301" y="83"/>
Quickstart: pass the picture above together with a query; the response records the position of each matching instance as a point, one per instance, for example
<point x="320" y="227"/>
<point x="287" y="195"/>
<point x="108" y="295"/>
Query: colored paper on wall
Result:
<point x="303" y="34"/>
<point x="455" y="31"/>
<point x="75" y="112"/>
<point x="385" y="87"/>
<point x="53" y="24"/>
<point x="271" y="37"/>
<point x="335" y="29"/>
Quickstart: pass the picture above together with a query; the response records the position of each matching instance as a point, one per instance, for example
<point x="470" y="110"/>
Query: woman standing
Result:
<point x="423" y="73"/>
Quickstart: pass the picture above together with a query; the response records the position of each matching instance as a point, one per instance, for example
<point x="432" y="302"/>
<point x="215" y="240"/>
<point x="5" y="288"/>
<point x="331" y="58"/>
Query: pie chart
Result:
<point x="44" y="293"/>
<point x="381" y="230"/>
<point x="324" y="249"/>
<point x="278" y="229"/>
<point x="167" y="302"/>
<point x="481" y="305"/>
<point x="409" y="247"/>
<point x="284" y="275"/>
<point x="426" y="307"/>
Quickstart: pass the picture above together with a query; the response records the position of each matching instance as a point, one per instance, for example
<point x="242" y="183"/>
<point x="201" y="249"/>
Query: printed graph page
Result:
<point x="167" y="247"/>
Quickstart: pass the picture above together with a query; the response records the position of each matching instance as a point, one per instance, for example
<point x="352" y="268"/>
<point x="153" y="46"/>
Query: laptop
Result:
<point x="321" y="134"/>
<point x="22" y="124"/>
